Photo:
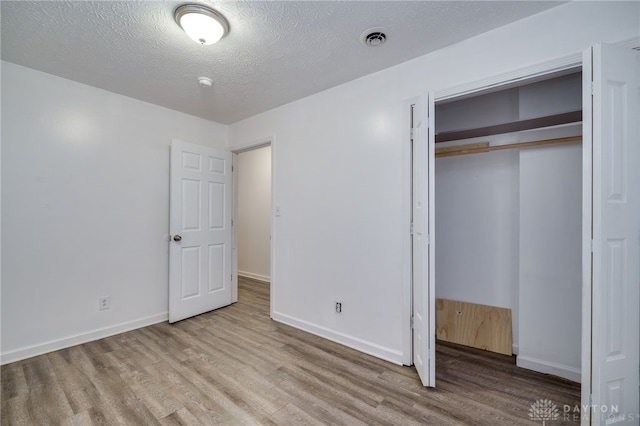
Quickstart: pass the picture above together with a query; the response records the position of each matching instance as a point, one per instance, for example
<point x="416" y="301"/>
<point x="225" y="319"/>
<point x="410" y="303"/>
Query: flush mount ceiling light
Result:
<point x="202" y="24"/>
<point x="205" y="82"/>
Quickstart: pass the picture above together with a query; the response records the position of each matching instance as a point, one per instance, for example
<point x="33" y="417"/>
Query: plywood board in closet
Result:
<point x="471" y="324"/>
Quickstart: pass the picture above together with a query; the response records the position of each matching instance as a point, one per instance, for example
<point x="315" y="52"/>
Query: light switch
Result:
<point x="277" y="211"/>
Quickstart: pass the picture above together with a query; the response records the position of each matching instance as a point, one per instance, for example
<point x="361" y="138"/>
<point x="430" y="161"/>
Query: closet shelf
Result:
<point x="515" y="126"/>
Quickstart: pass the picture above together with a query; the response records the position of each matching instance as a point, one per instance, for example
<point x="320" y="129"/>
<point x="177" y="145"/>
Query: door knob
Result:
<point x="177" y="238"/>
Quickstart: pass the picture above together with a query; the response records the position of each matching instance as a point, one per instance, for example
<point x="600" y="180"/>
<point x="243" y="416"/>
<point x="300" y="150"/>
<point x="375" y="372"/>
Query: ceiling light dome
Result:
<point x="202" y="24"/>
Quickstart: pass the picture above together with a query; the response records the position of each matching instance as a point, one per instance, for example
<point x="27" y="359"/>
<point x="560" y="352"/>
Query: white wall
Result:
<point x="504" y="106"/>
<point x="341" y="175"/>
<point x="254" y="213"/>
<point x="477" y="226"/>
<point x="551" y="259"/>
<point x="555" y="96"/>
<point x="85" y="187"/>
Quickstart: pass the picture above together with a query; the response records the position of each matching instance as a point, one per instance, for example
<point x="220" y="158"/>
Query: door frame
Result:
<point x="259" y="143"/>
<point x="497" y="82"/>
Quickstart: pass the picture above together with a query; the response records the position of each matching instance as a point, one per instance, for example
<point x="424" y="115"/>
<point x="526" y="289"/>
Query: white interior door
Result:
<point x="423" y="318"/>
<point x="200" y="274"/>
<point x="612" y="185"/>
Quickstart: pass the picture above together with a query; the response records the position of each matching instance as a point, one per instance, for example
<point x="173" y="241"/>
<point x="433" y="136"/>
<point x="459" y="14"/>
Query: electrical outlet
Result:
<point x="338" y="307"/>
<point x="104" y="303"/>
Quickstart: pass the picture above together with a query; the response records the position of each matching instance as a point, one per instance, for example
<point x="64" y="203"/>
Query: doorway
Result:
<point x="252" y="236"/>
<point x="609" y="224"/>
<point x="508" y="218"/>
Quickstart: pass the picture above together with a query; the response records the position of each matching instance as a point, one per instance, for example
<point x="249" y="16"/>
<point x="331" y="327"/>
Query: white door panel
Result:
<point x="200" y="228"/>
<point x="423" y="156"/>
<point x="612" y="127"/>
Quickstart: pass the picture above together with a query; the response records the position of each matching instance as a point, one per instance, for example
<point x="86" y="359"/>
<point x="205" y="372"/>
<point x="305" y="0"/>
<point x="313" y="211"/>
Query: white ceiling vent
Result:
<point x="373" y="37"/>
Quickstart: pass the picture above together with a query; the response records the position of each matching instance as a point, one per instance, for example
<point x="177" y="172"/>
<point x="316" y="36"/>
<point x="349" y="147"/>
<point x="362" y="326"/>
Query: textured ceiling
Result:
<point x="276" y="52"/>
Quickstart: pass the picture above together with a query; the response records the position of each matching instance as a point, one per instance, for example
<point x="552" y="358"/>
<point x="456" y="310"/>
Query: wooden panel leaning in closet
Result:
<point x="471" y="324"/>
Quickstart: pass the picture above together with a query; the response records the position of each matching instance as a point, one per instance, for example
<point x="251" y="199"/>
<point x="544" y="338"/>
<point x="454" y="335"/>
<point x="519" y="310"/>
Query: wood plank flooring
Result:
<point x="235" y="366"/>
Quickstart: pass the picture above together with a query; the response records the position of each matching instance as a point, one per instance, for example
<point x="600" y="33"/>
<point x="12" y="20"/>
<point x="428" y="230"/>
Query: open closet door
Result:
<point x="423" y="212"/>
<point x="610" y="357"/>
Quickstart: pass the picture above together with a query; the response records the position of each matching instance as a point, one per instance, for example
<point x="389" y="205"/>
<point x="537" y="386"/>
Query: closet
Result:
<point x="508" y="190"/>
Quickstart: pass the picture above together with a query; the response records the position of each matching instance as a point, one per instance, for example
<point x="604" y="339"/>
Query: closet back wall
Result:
<point x="550" y="283"/>
<point x="477" y="228"/>
<point x="479" y="218"/>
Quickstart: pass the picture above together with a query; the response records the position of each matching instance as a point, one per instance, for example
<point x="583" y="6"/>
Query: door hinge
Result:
<point x="592" y="88"/>
<point x="591" y="245"/>
<point x="590" y="400"/>
<point x="231" y="277"/>
<point x="411" y="322"/>
<point x="232" y="222"/>
<point x="232" y="168"/>
<point x="411" y="229"/>
<point x="411" y="134"/>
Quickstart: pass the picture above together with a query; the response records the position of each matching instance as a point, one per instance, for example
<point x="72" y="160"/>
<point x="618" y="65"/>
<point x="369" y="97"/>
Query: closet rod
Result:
<point x="475" y="148"/>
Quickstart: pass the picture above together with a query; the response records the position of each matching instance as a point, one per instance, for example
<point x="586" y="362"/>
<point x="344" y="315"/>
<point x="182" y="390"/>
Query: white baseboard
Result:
<point x="254" y="276"/>
<point x="542" y="366"/>
<point x="358" y="344"/>
<point x="515" y="348"/>
<point x="54" y="345"/>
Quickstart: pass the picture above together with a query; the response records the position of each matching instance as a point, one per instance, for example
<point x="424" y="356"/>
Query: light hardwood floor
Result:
<point x="235" y="366"/>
